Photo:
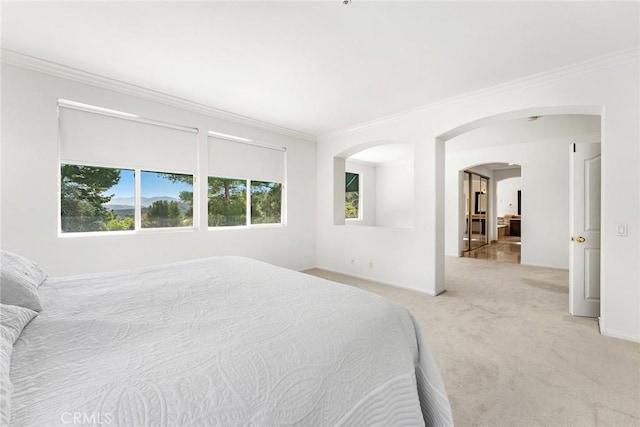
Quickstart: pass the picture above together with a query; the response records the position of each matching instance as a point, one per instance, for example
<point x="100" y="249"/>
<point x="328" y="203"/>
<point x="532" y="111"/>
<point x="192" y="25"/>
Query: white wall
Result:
<point x="367" y="187"/>
<point x="30" y="189"/>
<point x="394" y="194"/>
<point x="386" y="191"/>
<point x="415" y="258"/>
<point x="507" y="193"/>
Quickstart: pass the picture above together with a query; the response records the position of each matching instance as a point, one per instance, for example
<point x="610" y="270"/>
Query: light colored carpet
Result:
<point x="511" y="355"/>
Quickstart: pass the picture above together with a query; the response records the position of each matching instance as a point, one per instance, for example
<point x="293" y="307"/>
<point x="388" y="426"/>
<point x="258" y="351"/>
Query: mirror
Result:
<point x="476" y="233"/>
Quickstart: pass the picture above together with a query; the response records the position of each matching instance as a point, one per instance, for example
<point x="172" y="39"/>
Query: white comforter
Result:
<point x="217" y="342"/>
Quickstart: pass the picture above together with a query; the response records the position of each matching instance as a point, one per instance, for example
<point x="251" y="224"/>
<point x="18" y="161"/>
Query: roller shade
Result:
<point x="245" y="160"/>
<point x="93" y="137"/>
<point x="352" y="182"/>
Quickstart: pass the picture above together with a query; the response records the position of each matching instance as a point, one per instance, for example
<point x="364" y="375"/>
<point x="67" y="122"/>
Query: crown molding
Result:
<point x="594" y="64"/>
<point x="33" y="63"/>
<point x="570" y="139"/>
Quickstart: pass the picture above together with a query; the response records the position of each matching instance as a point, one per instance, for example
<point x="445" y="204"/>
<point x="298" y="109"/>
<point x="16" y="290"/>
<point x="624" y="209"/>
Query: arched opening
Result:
<point x="374" y="185"/>
<point x="469" y="145"/>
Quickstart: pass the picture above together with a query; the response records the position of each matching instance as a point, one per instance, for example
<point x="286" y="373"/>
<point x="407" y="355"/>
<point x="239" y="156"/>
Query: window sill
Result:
<point x="126" y="232"/>
<point x="246" y="227"/>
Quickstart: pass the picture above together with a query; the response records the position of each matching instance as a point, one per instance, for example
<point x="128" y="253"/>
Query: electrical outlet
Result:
<point x="621" y="230"/>
<point x="353" y="261"/>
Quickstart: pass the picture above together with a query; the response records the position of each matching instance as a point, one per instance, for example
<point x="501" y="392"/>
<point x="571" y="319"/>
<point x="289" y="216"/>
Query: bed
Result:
<point x="223" y="341"/>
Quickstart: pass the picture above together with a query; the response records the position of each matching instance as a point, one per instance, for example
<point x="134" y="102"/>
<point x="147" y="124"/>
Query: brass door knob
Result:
<point x="580" y="239"/>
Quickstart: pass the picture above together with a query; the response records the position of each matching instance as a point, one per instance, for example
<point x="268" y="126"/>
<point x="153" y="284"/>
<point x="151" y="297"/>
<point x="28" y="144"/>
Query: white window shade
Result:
<point x="94" y="137"/>
<point x="245" y="160"/>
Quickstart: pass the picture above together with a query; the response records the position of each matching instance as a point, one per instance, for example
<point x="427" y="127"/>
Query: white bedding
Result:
<point x="221" y="341"/>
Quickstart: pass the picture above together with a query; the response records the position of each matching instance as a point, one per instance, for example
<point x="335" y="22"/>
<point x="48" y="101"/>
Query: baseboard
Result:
<point x="619" y="335"/>
<point x="378" y="282"/>
<point x="552" y="267"/>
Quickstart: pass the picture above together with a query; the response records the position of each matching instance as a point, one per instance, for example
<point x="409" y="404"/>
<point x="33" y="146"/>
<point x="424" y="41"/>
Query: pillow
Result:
<point x="19" y="281"/>
<point x="13" y="319"/>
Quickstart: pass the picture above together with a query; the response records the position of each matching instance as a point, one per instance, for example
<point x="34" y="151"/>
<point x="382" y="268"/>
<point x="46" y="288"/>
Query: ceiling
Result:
<point x="385" y="153"/>
<point x="497" y="166"/>
<point x="518" y="131"/>
<point x="318" y="66"/>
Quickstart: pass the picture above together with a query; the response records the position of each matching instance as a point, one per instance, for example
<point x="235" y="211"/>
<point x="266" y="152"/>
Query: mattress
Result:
<point x="224" y="341"/>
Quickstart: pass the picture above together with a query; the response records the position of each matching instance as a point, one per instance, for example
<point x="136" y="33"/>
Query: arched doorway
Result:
<point x="491" y="211"/>
<point x="545" y="220"/>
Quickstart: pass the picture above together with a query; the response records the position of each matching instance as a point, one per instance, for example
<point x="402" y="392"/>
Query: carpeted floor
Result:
<point x="511" y="355"/>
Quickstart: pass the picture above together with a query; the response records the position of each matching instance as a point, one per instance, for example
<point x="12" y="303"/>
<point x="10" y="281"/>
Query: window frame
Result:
<point x="248" y="223"/>
<point x="192" y="169"/>
<point x="137" y="196"/>
<point x="194" y="215"/>
<point x="250" y="217"/>
<point x="138" y="166"/>
<point x="247" y="207"/>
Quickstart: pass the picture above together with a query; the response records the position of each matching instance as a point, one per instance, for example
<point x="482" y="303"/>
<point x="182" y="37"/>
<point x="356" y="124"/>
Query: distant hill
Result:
<point x="118" y="203"/>
<point x="119" y="207"/>
<point x="125" y="206"/>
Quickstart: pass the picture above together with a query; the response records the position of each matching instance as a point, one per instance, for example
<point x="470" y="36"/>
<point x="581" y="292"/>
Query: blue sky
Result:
<point x="152" y="185"/>
<point x="125" y="186"/>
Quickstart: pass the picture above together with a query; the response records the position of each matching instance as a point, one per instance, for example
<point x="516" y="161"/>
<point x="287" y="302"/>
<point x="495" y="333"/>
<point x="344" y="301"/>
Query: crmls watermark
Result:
<point x="85" y="418"/>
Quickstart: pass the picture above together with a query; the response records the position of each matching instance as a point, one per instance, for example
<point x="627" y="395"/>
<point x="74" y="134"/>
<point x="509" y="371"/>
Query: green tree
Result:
<point x="117" y="223"/>
<point x="185" y="196"/>
<point x="351" y="204"/>
<point x="266" y="202"/>
<point x="227" y="202"/>
<point x="82" y="197"/>
<point x="174" y="210"/>
<point x="162" y="213"/>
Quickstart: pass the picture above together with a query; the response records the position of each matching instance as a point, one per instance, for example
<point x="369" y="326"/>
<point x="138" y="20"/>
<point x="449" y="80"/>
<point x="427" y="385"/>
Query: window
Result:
<point x="266" y="199"/>
<point x="107" y="156"/>
<point x="245" y="183"/>
<point x="227" y="202"/>
<point x="96" y="199"/>
<point x="166" y="200"/>
<point x="352" y="196"/>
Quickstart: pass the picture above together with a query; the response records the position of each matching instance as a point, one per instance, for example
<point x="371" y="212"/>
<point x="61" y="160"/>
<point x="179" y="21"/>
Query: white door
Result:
<point x="584" y="258"/>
